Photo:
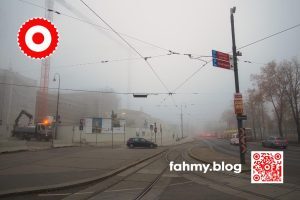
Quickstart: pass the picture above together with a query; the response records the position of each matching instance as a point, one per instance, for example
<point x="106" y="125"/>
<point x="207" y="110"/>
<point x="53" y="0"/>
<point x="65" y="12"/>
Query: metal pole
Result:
<point x="52" y="145"/>
<point x="112" y="130"/>
<point x="236" y="78"/>
<point x="160" y="135"/>
<point x="57" y="103"/>
<point x="155" y="130"/>
<point x="181" y="123"/>
<point x="124" y="135"/>
<point x="97" y="137"/>
<point x="73" y="130"/>
<point x="80" y="136"/>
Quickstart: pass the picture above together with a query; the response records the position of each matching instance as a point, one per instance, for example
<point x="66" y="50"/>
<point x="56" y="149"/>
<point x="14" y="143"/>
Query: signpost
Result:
<point x="160" y="134"/>
<point x="155" y="130"/>
<point x="151" y="130"/>
<point x="81" y="124"/>
<point x="222" y="60"/>
<point x="238" y="104"/>
<point x="237" y="87"/>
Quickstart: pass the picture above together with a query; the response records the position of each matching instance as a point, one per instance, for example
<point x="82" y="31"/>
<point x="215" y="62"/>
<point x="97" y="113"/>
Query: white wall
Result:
<point x="71" y="134"/>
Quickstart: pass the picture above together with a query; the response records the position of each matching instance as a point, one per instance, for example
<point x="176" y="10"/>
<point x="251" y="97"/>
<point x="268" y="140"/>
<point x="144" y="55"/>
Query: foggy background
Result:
<point x="183" y="26"/>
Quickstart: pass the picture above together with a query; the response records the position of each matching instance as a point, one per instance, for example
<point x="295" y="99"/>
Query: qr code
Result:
<point x="266" y="166"/>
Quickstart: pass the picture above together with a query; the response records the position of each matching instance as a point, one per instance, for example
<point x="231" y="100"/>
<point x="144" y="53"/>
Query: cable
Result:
<point x="269" y="36"/>
<point x="93" y="24"/>
<point x="113" y="60"/>
<point x="247" y="45"/>
<point x="155" y="73"/>
<point x="187" y="79"/>
<point x="82" y="90"/>
<point x="98" y="91"/>
<point x="191" y="76"/>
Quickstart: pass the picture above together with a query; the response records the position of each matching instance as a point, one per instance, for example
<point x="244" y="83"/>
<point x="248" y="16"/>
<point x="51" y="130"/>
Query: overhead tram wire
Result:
<point x="83" y="90"/>
<point x="246" y="61"/>
<point x="124" y="34"/>
<point x="162" y="48"/>
<point x="187" y="79"/>
<point x="133" y="48"/>
<point x="93" y="24"/>
<point x="269" y="36"/>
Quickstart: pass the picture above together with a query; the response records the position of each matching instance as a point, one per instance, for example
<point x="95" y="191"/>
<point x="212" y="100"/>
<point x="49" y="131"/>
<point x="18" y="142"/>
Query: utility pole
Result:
<point x="112" y="130"/>
<point x="57" y="118"/>
<point x="236" y="78"/>
<point x="160" y="128"/>
<point x="155" y="131"/>
<point x="124" y="135"/>
<point x="181" y="117"/>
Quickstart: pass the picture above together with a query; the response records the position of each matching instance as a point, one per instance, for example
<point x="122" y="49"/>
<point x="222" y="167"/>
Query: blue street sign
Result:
<point x="214" y="55"/>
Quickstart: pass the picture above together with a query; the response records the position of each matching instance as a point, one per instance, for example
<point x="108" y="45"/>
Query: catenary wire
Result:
<point x="269" y="36"/>
<point x="186" y="80"/>
<point x="98" y="91"/>
<point x="83" y="90"/>
<point x="127" y="35"/>
<point x="124" y="40"/>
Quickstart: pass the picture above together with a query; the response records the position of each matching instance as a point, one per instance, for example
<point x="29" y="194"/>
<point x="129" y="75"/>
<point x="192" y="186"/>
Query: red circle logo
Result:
<point x="256" y="156"/>
<point x="38" y="38"/>
<point x="277" y="156"/>
<point x="256" y="177"/>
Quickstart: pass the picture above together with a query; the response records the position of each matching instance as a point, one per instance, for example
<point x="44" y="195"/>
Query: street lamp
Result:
<point x="57" y="103"/>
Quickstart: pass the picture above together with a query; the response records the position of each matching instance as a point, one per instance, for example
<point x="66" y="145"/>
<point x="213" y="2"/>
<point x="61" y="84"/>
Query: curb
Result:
<point x="75" y="183"/>
<point x="36" y="149"/>
<point x="206" y="162"/>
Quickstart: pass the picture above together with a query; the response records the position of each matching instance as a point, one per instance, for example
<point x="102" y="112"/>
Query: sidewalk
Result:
<point x="10" y="145"/>
<point x="61" y="167"/>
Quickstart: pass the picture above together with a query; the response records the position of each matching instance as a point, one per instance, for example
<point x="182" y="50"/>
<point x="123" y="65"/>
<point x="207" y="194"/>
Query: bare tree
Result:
<point x="256" y="112"/>
<point x="292" y="77"/>
<point x="272" y="84"/>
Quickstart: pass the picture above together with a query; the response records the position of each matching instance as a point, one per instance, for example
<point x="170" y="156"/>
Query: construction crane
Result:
<point x="42" y="97"/>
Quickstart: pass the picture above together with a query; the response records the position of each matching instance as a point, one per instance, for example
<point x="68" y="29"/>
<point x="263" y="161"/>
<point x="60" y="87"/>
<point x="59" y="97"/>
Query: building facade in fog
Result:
<point x="77" y="105"/>
<point x="13" y="98"/>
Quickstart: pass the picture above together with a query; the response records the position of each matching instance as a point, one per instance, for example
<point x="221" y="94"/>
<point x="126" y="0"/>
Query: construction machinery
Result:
<point x="39" y="131"/>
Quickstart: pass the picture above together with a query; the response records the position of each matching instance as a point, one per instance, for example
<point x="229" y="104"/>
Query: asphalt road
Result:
<point x="154" y="177"/>
<point x="291" y="156"/>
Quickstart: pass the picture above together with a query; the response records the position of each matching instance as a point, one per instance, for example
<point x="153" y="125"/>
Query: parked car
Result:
<point x="234" y="140"/>
<point x="274" y="141"/>
<point x="140" y="142"/>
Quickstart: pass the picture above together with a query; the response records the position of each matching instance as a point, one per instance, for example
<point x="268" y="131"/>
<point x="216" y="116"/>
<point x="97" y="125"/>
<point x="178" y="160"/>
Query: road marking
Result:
<point x="64" y="194"/>
<point x="129" y="189"/>
<point x="121" y="190"/>
<point x="82" y="193"/>
<point x="174" y="184"/>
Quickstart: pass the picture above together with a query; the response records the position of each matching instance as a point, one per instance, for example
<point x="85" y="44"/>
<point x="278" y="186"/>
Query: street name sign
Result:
<point x="222" y="60"/>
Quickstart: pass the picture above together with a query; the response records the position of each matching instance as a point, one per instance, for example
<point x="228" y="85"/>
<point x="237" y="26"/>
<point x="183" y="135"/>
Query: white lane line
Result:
<point x="129" y="189"/>
<point x="174" y="184"/>
<point x="64" y="194"/>
<point x="82" y="193"/>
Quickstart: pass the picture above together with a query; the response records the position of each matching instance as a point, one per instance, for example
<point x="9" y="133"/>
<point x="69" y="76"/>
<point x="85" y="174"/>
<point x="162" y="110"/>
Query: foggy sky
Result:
<point x="185" y="26"/>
